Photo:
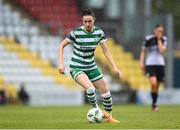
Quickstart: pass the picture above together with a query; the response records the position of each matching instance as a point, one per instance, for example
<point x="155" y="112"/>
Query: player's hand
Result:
<point x="61" y="69"/>
<point x="159" y="36"/>
<point x="118" y="72"/>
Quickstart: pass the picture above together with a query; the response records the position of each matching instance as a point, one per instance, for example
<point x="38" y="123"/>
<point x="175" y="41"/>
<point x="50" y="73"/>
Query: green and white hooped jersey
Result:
<point x="85" y="44"/>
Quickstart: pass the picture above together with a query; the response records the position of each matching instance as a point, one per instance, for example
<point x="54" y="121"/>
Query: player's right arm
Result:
<point x="142" y="57"/>
<point x="142" y="54"/>
<point x="61" y="67"/>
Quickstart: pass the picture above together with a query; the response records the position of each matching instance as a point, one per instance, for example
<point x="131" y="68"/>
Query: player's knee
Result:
<point x="154" y="86"/>
<point x="153" y="82"/>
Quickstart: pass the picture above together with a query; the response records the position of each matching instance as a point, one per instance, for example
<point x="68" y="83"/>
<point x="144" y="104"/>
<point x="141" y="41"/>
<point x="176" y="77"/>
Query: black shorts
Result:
<point x="156" y="70"/>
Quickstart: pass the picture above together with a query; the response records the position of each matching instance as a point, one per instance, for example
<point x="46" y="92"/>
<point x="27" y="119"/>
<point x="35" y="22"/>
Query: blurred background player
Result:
<point x="23" y="95"/>
<point x="153" y="48"/>
<point x="83" y="68"/>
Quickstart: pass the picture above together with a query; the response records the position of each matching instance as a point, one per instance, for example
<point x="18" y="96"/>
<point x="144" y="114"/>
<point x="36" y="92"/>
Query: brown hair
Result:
<point x="88" y="12"/>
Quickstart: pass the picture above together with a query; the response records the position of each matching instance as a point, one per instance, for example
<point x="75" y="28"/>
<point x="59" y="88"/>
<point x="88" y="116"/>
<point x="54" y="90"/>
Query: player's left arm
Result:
<point x="109" y="58"/>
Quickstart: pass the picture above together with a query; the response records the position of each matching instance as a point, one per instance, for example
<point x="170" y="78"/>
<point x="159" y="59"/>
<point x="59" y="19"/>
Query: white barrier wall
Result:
<point x="167" y="96"/>
<point x="48" y="95"/>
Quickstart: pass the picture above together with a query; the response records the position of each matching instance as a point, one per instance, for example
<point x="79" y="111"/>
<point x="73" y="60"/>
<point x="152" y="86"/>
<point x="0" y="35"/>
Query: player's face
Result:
<point x="88" y="22"/>
<point x="159" y="31"/>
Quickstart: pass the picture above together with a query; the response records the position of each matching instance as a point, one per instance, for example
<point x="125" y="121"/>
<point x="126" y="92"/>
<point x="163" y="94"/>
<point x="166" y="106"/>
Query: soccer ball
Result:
<point x="95" y="115"/>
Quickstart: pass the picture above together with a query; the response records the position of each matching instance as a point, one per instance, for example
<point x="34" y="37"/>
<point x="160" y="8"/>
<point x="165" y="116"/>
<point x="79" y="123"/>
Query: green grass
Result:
<point x="131" y="116"/>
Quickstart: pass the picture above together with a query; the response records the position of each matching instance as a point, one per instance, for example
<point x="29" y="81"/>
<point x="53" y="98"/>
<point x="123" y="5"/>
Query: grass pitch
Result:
<point x="131" y="117"/>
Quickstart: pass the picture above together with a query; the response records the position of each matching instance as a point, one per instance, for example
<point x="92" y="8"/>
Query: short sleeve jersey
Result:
<point x="85" y="44"/>
<point x="153" y="57"/>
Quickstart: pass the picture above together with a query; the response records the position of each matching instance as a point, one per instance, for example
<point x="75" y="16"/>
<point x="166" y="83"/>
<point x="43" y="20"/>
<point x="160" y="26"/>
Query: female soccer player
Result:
<point x="83" y="68"/>
<point x="153" y="48"/>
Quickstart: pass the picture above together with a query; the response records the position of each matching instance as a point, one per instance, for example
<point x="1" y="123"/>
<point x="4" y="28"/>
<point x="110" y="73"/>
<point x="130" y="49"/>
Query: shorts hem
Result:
<point x="81" y="72"/>
<point x="96" y="79"/>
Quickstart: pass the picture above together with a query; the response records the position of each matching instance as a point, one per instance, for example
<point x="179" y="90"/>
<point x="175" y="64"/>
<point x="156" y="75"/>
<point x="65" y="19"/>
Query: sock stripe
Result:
<point x="109" y="106"/>
<point x="92" y="99"/>
<point x="90" y="94"/>
<point x="108" y="109"/>
<point x="107" y="98"/>
<point x="110" y="103"/>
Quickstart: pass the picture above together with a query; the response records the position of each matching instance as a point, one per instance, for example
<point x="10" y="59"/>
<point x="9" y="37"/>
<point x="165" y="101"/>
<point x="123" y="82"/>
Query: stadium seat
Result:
<point x="58" y="15"/>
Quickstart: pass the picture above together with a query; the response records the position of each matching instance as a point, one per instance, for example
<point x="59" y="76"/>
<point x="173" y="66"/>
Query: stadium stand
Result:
<point x="132" y="74"/>
<point x="13" y="26"/>
<point x="22" y="53"/>
<point x="26" y="57"/>
<point x="18" y="66"/>
<point x="39" y="50"/>
<point x="61" y="15"/>
<point x="45" y="46"/>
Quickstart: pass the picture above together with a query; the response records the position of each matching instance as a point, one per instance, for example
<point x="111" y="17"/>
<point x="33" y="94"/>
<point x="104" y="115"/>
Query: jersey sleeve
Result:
<point x="147" y="41"/>
<point x="103" y="38"/>
<point x="144" y="44"/>
<point x="71" y="37"/>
